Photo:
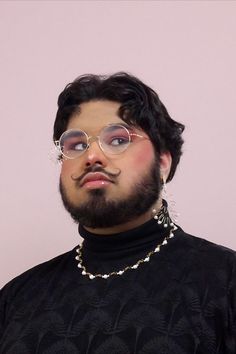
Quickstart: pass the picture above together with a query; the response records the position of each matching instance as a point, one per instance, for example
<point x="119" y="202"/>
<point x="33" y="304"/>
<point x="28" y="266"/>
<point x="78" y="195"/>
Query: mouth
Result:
<point x="95" y="180"/>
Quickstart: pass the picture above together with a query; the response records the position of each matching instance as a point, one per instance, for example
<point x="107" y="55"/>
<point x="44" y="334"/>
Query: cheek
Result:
<point x="67" y="169"/>
<point x="143" y="157"/>
<point x="140" y="162"/>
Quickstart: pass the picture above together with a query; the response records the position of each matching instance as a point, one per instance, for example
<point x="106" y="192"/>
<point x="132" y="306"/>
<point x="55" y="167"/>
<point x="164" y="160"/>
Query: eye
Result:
<point x="118" y="141"/>
<point x="74" y="145"/>
<point x="79" y="146"/>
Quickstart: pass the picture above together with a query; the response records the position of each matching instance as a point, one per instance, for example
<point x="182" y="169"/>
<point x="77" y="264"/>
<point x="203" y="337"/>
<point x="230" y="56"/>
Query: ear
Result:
<point x="165" y="164"/>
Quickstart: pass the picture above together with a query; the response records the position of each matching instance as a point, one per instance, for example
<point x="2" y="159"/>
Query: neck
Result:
<point x="126" y="226"/>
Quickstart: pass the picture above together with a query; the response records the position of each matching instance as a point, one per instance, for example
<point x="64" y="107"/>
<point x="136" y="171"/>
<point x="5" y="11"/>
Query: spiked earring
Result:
<point x="55" y="156"/>
<point x="167" y="215"/>
<point x="162" y="216"/>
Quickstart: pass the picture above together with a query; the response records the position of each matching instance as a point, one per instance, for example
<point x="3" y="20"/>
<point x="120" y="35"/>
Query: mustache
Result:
<point x="109" y="174"/>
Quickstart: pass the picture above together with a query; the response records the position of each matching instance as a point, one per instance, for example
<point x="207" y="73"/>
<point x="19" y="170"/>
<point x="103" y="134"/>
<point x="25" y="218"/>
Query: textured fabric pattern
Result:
<point x="182" y="302"/>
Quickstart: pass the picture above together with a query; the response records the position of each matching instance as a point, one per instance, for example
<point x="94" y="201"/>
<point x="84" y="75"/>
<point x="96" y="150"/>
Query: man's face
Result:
<point x="131" y="182"/>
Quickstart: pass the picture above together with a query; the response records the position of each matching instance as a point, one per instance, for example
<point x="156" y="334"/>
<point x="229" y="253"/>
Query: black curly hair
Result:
<point x="140" y="107"/>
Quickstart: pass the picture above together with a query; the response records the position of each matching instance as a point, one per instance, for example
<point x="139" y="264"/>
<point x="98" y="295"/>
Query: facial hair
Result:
<point x="100" y="212"/>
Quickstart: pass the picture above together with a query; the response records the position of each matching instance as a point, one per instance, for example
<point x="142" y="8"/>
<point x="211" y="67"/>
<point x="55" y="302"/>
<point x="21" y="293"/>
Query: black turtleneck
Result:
<point x="182" y="301"/>
<point x="107" y="253"/>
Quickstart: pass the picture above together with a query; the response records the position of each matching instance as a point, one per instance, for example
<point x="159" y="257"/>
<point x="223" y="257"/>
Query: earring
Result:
<point x="167" y="215"/>
<point x="162" y="216"/>
<point x="54" y="155"/>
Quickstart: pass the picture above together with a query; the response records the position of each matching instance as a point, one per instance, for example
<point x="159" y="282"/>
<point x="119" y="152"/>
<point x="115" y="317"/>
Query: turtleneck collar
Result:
<point x="142" y="236"/>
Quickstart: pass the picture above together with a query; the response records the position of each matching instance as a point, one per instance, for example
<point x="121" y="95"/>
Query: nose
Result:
<point x="94" y="155"/>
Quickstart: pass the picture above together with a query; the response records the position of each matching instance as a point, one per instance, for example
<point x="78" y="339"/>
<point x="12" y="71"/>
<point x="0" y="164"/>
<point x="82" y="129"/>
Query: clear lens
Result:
<point x="114" y="139"/>
<point x="73" y="143"/>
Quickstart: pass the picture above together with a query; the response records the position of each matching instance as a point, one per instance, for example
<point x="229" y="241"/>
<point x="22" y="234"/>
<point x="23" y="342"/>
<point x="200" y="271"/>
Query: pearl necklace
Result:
<point x="122" y="271"/>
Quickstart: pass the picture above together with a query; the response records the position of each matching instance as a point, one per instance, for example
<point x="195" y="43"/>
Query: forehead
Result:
<point x="94" y="115"/>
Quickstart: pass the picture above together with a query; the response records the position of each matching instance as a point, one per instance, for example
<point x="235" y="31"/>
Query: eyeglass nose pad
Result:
<point x="91" y="139"/>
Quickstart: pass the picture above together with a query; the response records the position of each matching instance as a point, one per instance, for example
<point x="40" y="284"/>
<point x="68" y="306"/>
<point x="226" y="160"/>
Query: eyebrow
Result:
<point x="127" y="126"/>
<point x="123" y="124"/>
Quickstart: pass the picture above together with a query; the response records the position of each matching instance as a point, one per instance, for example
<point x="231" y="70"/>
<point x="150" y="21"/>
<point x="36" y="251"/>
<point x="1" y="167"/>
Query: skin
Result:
<point x="133" y="162"/>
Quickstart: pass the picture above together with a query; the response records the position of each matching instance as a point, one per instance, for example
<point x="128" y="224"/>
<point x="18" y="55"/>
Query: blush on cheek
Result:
<point x="144" y="156"/>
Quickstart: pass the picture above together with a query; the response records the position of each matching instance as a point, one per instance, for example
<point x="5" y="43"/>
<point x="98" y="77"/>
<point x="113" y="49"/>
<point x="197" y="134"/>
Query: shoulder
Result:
<point x="38" y="275"/>
<point x="29" y="288"/>
<point x="204" y="248"/>
<point x="210" y="261"/>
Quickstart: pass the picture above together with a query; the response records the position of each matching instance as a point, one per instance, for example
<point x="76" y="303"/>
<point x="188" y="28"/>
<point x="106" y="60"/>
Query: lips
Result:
<point x="95" y="177"/>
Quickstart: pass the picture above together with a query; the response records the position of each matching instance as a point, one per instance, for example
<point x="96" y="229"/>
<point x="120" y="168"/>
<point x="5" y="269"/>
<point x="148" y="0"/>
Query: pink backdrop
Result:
<point x="185" y="50"/>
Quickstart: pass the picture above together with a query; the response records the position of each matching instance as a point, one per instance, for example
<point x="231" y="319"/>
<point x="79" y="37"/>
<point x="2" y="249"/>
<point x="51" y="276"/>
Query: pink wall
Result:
<point x="185" y="50"/>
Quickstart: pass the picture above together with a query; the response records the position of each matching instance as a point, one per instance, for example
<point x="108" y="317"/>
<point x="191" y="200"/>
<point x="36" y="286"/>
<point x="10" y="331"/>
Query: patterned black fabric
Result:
<point x="182" y="302"/>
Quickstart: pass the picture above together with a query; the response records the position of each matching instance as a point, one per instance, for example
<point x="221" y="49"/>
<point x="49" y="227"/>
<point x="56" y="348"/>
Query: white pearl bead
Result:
<point x="135" y="266"/>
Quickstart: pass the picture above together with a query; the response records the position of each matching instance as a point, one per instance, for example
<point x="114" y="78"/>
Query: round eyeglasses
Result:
<point x="113" y="139"/>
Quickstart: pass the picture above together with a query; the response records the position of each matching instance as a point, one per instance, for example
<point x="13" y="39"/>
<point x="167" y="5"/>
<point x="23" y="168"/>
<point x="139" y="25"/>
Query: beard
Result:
<point x="100" y="212"/>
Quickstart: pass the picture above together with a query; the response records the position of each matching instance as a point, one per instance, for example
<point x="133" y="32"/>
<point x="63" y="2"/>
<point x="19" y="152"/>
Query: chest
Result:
<point x="147" y="314"/>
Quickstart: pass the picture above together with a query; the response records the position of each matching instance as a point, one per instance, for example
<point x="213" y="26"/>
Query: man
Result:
<point x="138" y="283"/>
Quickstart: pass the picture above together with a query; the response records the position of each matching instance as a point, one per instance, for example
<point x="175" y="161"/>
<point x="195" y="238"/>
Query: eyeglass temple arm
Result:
<point x="140" y="136"/>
